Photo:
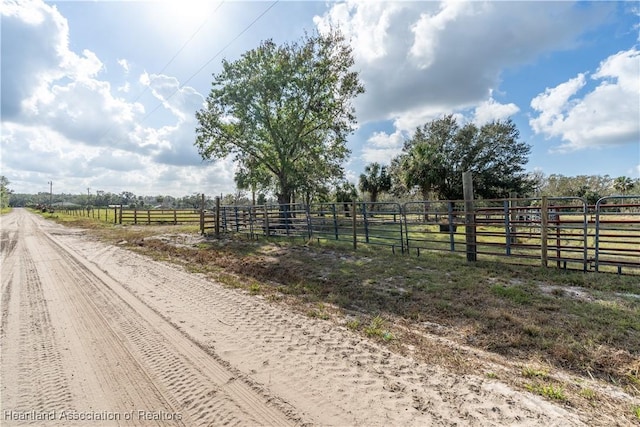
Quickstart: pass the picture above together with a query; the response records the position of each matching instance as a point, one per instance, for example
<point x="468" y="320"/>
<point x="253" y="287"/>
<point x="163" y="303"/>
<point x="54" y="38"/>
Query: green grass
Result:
<point x="529" y="372"/>
<point x="515" y="294"/>
<point x="588" y="393"/>
<point x="254" y="288"/>
<point x="354" y="324"/>
<point x="548" y="390"/>
<point x="377" y="328"/>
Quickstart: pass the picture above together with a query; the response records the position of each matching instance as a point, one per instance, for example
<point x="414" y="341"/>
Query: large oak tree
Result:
<point x="440" y="151"/>
<point x="285" y="110"/>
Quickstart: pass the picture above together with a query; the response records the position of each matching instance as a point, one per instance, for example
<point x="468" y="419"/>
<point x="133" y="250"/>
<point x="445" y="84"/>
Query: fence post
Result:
<point x="507" y="227"/>
<point x="120" y="215"/>
<point x="252" y="219"/>
<point x="544" y="222"/>
<point x="266" y="221"/>
<point x="236" y="218"/>
<point x="513" y="204"/>
<point x="470" y="217"/>
<point x="355" y="225"/>
<point x="202" y="214"/>
<point x="309" y="224"/>
<point x="365" y="221"/>
<point x="452" y="226"/>
<point x="335" y="220"/>
<point x="403" y="222"/>
<point x="217" y="226"/>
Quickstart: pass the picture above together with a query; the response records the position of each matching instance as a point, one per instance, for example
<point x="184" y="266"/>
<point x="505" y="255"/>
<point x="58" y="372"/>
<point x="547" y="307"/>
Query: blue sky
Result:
<point x="103" y="94"/>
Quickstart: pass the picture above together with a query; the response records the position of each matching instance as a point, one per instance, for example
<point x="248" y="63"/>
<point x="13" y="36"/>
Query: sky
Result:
<point x="102" y="95"/>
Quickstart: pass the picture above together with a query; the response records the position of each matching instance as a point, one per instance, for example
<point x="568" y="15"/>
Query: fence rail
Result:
<point x="564" y="231"/>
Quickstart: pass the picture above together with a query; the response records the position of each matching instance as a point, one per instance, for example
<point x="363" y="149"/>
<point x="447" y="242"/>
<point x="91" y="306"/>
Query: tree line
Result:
<point x="589" y="187"/>
<point x="104" y="199"/>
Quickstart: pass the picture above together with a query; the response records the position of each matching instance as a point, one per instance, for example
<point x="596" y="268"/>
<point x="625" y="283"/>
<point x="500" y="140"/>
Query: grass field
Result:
<point x="140" y="216"/>
<point x="561" y="329"/>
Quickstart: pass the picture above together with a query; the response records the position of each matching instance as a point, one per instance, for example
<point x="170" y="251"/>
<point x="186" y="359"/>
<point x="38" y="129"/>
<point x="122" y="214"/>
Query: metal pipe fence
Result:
<point x="434" y="226"/>
<point x="617" y="233"/>
<point x="561" y="231"/>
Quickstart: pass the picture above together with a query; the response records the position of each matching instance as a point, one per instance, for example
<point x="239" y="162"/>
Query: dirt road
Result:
<point x="93" y="334"/>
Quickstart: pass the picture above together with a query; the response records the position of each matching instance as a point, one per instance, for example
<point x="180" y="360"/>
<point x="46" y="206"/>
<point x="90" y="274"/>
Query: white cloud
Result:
<point x="553" y="104"/>
<point x="125" y="88"/>
<point x="39" y="150"/>
<point x="364" y="23"/>
<point x="609" y="114"/>
<point x="409" y="121"/>
<point x="182" y="102"/>
<point x="427" y="31"/>
<point x="429" y="59"/>
<point x="61" y="121"/>
<point x="382" y="147"/>
<point x="124" y="64"/>
<point x="464" y="46"/>
<point x="490" y="110"/>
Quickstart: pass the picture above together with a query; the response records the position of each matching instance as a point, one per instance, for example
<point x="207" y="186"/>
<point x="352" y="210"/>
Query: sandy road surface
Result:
<point x="92" y="334"/>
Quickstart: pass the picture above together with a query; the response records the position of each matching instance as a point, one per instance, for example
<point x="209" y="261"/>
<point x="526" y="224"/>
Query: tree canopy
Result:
<point x="623" y="184"/>
<point x="284" y="113"/>
<point x="375" y="180"/>
<point x="4" y="192"/>
<point x="435" y="157"/>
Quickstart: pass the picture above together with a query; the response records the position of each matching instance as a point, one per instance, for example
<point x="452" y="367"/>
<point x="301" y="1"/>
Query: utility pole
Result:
<point x="50" y="193"/>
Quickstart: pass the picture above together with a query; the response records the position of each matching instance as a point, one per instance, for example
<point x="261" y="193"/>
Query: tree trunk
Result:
<point x="284" y="200"/>
<point x="425" y="199"/>
<point x="374" y="196"/>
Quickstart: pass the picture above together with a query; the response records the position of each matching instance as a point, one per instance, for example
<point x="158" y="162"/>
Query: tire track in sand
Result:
<point x="198" y="387"/>
<point x="42" y="383"/>
<point x="326" y="372"/>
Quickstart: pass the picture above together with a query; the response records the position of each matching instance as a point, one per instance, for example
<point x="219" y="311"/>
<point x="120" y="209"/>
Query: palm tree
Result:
<point x="375" y="180"/>
<point x="420" y="167"/>
<point x="623" y="184"/>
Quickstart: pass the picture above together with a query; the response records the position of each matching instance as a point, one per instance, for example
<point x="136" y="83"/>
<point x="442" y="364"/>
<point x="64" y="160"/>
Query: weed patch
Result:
<point x="377" y="328"/>
<point x="547" y="390"/>
<point x="512" y="293"/>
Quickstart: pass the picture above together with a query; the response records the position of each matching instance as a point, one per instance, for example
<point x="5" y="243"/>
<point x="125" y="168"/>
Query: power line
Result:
<point x="184" y="45"/>
<point x="211" y="60"/>
<point x="192" y="37"/>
